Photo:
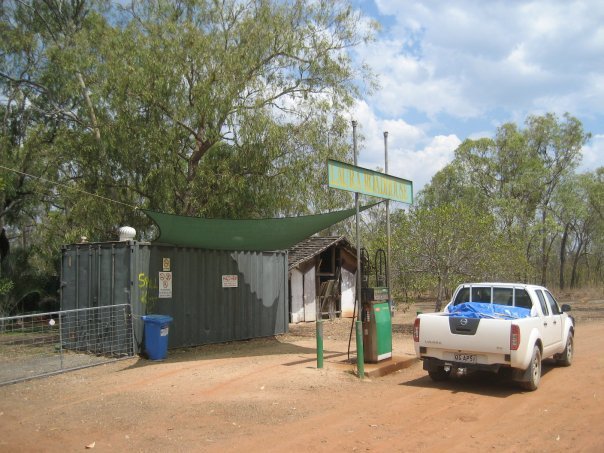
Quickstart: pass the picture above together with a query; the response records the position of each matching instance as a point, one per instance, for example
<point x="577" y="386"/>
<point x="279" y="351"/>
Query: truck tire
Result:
<point x="566" y="358"/>
<point x="534" y="371"/>
<point x="439" y="374"/>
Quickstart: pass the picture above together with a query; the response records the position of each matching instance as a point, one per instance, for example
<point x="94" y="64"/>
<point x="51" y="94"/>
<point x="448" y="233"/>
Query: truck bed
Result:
<point x="473" y="341"/>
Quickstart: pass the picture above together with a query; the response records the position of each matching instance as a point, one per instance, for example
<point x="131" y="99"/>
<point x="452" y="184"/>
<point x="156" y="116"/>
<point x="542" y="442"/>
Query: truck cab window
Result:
<point x="542" y="302"/>
<point x="503" y="296"/>
<point x="553" y="304"/>
<point x="481" y="294"/>
<point x="462" y="296"/>
<point x="522" y="299"/>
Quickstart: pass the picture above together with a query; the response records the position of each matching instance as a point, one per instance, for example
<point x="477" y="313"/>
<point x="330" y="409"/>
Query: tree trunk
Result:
<point x="439" y="302"/>
<point x="528" y="259"/>
<point x="544" y="257"/>
<point x="95" y="126"/>
<point x="563" y="254"/>
<point x="573" y="275"/>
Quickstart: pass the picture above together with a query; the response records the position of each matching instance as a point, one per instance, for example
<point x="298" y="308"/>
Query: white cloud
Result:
<point x="407" y="82"/>
<point x="421" y="164"/>
<point x="593" y="154"/>
<point x="412" y="153"/>
<point x="469" y="57"/>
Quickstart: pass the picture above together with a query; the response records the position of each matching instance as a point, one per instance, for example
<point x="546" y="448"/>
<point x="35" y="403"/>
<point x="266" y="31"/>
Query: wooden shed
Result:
<point x="322" y="274"/>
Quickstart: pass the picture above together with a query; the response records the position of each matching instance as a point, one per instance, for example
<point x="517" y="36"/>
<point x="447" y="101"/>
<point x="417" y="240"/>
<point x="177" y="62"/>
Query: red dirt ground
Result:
<point x="267" y="395"/>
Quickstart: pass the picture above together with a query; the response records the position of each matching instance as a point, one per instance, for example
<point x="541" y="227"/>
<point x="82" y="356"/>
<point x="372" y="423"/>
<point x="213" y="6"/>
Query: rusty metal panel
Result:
<point x="213" y="296"/>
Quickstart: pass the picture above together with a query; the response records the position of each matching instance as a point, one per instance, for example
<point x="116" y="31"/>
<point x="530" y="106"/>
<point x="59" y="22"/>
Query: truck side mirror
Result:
<point x="565" y="308"/>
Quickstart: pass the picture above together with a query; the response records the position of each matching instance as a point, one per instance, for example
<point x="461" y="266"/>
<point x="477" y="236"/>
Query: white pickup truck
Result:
<point x="494" y="327"/>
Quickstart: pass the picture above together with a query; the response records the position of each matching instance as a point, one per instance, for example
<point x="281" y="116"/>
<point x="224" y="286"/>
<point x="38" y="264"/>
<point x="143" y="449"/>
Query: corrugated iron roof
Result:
<point x="313" y="246"/>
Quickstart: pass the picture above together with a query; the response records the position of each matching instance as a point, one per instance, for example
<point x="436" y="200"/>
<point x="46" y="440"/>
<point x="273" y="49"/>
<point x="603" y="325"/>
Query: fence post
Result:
<point x="360" y="352"/>
<point x="319" y="343"/>
<point x="61" y="338"/>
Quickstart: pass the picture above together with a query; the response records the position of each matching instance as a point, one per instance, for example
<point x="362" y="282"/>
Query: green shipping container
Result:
<point x="212" y="296"/>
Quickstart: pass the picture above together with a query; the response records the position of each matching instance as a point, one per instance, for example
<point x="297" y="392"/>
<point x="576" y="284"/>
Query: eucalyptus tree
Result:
<point x="49" y="118"/>
<point x="579" y="207"/>
<point x="558" y="145"/>
<point x="519" y="171"/>
<point x="268" y="79"/>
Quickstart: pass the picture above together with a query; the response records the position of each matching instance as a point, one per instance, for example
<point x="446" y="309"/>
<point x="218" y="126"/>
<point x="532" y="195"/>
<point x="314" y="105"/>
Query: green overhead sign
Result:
<point x="357" y="179"/>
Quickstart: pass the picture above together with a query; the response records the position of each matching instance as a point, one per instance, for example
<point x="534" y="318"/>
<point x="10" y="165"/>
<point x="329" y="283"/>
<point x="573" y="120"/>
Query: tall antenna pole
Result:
<point x="356" y="205"/>
<point x="388" y="283"/>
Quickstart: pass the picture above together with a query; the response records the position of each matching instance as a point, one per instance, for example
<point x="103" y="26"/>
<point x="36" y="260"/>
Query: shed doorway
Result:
<point x="322" y="274"/>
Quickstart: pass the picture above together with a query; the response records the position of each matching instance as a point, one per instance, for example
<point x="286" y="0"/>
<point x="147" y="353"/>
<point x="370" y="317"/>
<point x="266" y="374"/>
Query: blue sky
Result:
<point x="451" y="70"/>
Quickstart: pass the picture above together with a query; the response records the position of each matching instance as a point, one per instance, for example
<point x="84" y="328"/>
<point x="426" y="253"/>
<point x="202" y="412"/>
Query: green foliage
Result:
<point x="24" y="284"/>
<point x="5" y="286"/>
<point x="265" y="80"/>
<point x="523" y="181"/>
<point x="448" y="242"/>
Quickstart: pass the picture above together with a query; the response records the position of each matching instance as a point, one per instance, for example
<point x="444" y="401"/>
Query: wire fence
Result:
<point x="49" y="343"/>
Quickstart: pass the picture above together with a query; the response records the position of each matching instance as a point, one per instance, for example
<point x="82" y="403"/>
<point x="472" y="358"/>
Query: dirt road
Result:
<point x="267" y="395"/>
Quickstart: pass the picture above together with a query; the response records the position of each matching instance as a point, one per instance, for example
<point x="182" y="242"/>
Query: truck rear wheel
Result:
<point x="439" y="374"/>
<point x="534" y="371"/>
<point x="566" y="358"/>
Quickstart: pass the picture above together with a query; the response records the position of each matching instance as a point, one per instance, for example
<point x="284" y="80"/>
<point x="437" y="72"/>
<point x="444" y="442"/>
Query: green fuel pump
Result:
<point x="376" y="317"/>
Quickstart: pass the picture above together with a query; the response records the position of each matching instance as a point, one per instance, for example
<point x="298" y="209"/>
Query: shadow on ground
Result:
<point x="257" y="347"/>
<point x="497" y="385"/>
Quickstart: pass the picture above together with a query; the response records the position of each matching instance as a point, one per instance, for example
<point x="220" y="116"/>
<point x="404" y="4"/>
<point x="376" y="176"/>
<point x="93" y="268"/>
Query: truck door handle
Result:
<point x="555" y="322"/>
<point x="545" y="324"/>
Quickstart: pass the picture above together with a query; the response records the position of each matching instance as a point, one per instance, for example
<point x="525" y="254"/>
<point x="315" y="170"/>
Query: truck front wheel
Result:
<point x="534" y="371"/>
<point x="439" y="374"/>
<point x="566" y="358"/>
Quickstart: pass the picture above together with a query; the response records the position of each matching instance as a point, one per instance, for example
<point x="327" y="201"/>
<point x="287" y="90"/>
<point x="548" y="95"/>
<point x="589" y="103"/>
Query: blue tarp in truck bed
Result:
<point x="486" y="310"/>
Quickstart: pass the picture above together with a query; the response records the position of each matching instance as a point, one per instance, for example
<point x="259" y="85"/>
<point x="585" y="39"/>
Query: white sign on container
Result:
<point x="165" y="285"/>
<point x="230" y="281"/>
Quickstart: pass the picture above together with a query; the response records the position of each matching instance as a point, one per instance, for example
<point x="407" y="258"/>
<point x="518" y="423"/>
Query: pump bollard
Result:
<point x="319" y="343"/>
<point x="360" y="353"/>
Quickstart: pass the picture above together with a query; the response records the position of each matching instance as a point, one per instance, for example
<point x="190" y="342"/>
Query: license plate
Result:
<point x="464" y="358"/>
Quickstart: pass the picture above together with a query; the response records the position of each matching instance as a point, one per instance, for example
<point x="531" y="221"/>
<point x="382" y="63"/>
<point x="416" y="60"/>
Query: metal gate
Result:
<point x="49" y="343"/>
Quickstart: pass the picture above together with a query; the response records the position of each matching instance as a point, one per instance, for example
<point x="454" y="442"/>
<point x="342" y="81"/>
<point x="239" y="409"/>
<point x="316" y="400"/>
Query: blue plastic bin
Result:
<point x="156" y="336"/>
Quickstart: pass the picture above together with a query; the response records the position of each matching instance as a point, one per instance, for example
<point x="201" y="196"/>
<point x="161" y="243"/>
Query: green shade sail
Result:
<point x="243" y="235"/>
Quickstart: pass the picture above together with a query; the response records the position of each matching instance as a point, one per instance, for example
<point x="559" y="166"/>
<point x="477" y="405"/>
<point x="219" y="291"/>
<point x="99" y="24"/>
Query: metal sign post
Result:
<point x="387" y="225"/>
<point x="357" y="301"/>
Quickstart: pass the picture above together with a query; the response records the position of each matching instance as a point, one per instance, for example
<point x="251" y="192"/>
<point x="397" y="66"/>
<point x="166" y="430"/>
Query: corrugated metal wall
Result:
<point x="101" y="274"/>
<point x="203" y="311"/>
